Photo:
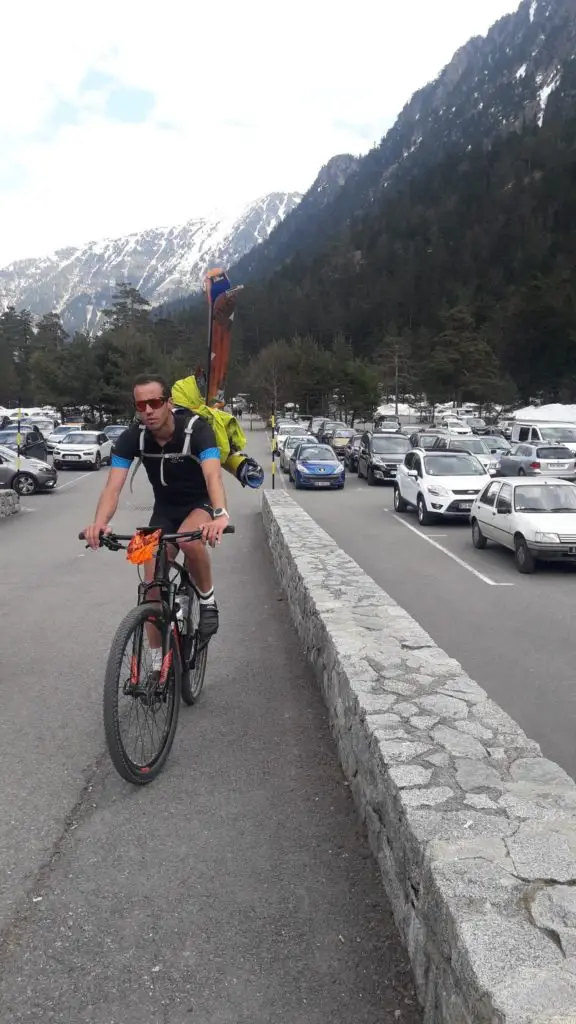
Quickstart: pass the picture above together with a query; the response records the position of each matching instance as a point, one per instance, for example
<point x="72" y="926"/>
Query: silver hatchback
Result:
<point x="552" y="460"/>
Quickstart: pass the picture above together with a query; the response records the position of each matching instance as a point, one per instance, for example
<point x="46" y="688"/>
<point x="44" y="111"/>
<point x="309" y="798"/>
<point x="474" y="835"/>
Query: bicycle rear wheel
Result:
<point x="194" y="655"/>
<point x="141" y="707"/>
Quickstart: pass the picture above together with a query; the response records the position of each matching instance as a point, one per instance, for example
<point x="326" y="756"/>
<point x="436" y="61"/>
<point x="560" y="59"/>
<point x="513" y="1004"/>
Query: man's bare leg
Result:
<point x="198" y="563"/>
<point x="153" y="634"/>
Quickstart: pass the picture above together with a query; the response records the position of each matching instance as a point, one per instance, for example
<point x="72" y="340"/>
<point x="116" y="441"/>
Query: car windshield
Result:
<point x="7" y="453"/>
<point x="558" y="433"/>
<point x="317" y="453"/>
<point x="80" y="438"/>
<point x="343" y="433"/>
<point x="391" y="445"/>
<point x="63" y="430"/>
<point x="497" y="442"/>
<point x="8" y="435"/>
<point x="453" y="465"/>
<point x="293" y="441"/>
<point x="474" y="445"/>
<point x="427" y="441"/>
<point x="554" y="453"/>
<point x="545" y="498"/>
<point x="114" y="431"/>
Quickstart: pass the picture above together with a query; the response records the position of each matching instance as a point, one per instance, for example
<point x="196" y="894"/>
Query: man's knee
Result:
<point x="195" y="550"/>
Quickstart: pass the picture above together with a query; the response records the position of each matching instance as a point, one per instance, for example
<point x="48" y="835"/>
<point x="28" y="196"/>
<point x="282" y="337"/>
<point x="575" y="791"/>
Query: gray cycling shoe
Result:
<point x="209" y="620"/>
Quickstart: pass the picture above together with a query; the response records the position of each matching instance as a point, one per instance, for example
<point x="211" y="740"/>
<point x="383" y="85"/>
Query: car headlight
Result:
<point x="438" y="491"/>
<point x="301" y="468"/>
<point x="546" y="538"/>
<point x="338" y="469"/>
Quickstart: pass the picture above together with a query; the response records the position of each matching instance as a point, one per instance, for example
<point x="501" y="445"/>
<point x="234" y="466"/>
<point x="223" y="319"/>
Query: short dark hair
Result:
<point x="152" y="378"/>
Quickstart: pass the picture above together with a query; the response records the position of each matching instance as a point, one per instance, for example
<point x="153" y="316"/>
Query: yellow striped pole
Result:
<point x="273" y="453"/>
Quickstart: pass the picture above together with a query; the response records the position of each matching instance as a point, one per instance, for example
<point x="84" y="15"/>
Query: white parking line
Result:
<point x="62" y="487"/>
<point x="455" y="558"/>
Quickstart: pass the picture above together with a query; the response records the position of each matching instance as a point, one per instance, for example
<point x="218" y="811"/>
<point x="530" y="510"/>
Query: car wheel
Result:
<point x="97" y="462"/>
<point x="370" y="476"/>
<point x="424" y="517"/>
<point x="525" y="561"/>
<point x="24" y="484"/>
<point x="296" y="483"/>
<point x="399" y="504"/>
<point x="57" y="465"/>
<point x="478" y="538"/>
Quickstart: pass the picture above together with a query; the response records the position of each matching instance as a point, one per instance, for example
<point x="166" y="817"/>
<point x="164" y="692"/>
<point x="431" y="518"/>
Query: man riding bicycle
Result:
<point x="182" y="460"/>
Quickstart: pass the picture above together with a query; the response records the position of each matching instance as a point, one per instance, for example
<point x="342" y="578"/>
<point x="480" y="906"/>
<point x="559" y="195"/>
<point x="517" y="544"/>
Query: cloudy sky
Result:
<point x="117" y="116"/>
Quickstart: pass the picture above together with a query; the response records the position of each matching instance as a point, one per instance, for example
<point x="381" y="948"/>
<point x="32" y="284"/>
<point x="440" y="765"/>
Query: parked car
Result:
<point x="296" y="431"/>
<point x="290" y="444"/>
<point x="25" y="476"/>
<point x="325" y="428"/>
<point x="388" y="425"/>
<point x="497" y="443"/>
<point x="338" y="439"/>
<point x="351" y="453"/>
<point x="32" y="444"/>
<point x="538" y="460"/>
<point x="453" y="425"/>
<point x="316" y="465"/>
<point x="59" y="432"/>
<point x="425" y="438"/>
<point x="114" y="430"/>
<point x="534" y="518"/>
<point x="473" y="445"/>
<point x="380" y="455"/>
<point x="438" y="484"/>
<point x="83" y="448"/>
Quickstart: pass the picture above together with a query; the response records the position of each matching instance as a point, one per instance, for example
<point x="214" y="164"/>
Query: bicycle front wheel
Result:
<point x="194" y="656"/>
<point x="141" y="704"/>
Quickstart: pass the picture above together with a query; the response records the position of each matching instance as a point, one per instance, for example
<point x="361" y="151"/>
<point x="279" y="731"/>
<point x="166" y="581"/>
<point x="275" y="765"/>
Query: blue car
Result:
<point x="316" y="465"/>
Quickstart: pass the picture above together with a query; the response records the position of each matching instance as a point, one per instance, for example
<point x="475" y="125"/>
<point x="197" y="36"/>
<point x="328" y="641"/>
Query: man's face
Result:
<point x="154" y="419"/>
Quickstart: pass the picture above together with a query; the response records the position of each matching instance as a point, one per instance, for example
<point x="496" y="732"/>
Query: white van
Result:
<point x="563" y="433"/>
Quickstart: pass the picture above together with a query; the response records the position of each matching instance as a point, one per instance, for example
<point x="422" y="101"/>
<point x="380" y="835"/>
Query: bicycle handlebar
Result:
<point x="112" y="540"/>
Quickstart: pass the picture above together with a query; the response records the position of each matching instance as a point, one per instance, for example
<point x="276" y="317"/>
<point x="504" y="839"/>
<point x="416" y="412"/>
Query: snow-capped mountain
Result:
<point x="162" y="263"/>
<point x="519" y="74"/>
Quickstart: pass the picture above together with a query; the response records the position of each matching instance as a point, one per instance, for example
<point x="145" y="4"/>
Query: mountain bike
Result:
<point x="135" y="692"/>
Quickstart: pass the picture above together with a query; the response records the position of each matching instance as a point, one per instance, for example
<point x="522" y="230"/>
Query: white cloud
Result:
<point x="252" y="101"/>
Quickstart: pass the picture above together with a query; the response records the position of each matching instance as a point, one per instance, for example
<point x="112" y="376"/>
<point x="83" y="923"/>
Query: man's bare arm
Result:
<point x="213" y="476"/>
<point x="107" y="505"/>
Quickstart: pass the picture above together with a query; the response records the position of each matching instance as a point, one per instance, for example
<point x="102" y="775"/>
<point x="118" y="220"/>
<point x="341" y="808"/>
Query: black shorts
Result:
<point x="169" y="518"/>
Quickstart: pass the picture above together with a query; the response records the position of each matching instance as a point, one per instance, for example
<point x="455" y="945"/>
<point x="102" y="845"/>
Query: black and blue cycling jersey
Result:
<point x="176" y="477"/>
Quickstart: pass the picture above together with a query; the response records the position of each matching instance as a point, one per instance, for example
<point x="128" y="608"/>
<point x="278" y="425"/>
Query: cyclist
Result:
<point x="182" y="460"/>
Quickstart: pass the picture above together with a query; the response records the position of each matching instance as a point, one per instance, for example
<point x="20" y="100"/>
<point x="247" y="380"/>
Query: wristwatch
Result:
<point x="217" y="513"/>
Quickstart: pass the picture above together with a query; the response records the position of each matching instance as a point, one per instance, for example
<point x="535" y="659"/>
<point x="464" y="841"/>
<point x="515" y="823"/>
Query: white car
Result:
<point x="290" y="445"/>
<point x="438" y="483"/>
<point x="534" y="518"/>
<point x="454" y="426"/>
<point x="285" y="434"/>
<point x="83" y="448"/>
<point x="58" y="433"/>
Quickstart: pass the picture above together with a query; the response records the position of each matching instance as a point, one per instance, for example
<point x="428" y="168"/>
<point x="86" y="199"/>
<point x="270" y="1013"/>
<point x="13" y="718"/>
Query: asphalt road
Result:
<point x="512" y="633"/>
<point x="237" y="888"/>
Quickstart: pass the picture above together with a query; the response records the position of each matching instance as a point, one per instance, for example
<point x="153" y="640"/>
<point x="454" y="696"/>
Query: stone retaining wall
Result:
<point x="9" y="504"/>
<point x="474" y="831"/>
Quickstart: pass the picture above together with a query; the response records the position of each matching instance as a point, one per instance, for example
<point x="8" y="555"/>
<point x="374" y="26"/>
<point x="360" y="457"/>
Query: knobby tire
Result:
<point x="127" y="630"/>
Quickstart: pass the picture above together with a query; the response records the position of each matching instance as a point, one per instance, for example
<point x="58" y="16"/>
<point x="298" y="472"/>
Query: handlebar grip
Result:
<point x="81" y="536"/>
<point x="229" y="529"/>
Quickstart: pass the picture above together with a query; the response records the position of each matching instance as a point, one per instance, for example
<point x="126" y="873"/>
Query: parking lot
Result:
<point x="510" y="632"/>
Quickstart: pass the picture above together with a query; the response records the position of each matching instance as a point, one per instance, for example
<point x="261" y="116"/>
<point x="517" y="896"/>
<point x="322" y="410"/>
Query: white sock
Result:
<point x="156" y="653"/>
<point x="207" y="598"/>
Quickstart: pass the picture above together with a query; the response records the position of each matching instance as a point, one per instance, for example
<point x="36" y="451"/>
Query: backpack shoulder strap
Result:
<point x="140" y="455"/>
<point x="188" y="434"/>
